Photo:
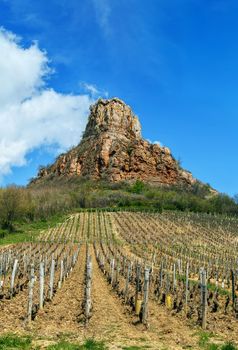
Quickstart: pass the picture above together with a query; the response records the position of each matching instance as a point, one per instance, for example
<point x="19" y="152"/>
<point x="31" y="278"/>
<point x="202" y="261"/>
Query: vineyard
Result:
<point x="125" y="276"/>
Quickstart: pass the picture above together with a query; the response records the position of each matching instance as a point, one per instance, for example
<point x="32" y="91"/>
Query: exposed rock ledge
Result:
<point x="112" y="148"/>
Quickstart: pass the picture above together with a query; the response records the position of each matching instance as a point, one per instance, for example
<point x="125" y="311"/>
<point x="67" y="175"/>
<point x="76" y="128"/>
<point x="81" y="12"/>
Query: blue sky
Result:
<point x="175" y="62"/>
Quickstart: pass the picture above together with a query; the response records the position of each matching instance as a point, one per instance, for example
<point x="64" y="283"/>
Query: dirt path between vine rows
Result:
<point x="110" y="321"/>
<point x="13" y="312"/>
<point x="61" y="315"/>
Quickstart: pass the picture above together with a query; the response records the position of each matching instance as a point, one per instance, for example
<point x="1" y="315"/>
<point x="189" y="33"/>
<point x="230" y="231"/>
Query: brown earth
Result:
<point x="110" y="319"/>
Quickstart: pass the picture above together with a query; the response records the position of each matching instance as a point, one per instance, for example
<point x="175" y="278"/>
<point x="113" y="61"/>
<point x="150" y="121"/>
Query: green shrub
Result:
<point x="65" y="195"/>
<point x="137" y="187"/>
<point x="229" y="346"/>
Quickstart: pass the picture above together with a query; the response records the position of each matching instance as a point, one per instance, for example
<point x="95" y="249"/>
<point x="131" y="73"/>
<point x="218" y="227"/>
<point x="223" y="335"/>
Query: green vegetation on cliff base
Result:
<point x="39" y="203"/>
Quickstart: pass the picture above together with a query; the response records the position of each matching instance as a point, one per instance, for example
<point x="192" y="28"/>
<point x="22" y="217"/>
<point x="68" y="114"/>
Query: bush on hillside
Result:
<point x="40" y="203"/>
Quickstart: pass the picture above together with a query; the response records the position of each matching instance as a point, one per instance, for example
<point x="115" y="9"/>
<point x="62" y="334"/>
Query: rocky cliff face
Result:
<point x="112" y="148"/>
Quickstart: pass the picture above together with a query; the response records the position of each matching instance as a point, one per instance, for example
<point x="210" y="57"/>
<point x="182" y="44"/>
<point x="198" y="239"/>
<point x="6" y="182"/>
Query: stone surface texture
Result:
<point x="112" y="148"/>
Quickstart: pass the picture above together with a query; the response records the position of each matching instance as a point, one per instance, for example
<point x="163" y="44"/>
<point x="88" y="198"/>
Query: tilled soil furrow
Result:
<point x="61" y="315"/>
<point x="13" y="312"/>
<point x="110" y="320"/>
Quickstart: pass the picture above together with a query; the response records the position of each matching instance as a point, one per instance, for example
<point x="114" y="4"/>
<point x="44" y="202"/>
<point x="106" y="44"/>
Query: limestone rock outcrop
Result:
<point x="112" y="148"/>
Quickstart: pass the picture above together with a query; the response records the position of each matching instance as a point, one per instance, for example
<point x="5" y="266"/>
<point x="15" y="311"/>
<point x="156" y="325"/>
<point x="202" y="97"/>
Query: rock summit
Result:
<point x="112" y="148"/>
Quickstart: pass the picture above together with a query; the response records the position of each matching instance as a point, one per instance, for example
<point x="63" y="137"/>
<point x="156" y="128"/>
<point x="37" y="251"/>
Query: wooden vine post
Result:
<point x="88" y="302"/>
<point x="186" y="288"/>
<point x="42" y="279"/>
<point x="61" y="273"/>
<point x="14" y="270"/>
<point x="52" y="274"/>
<point x="124" y="265"/>
<point x="112" y="271"/>
<point x="146" y="295"/>
<point x="153" y="262"/>
<point x="161" y="277"/>
<point x="127" y="281"/>
<point x="138" y="271"/>
<point x="204" y="300"/>
<point x="174" y="278"/>
<point x="200" y="276"/>
<point x="117" y="271"/>
<point x="233" y="288"/>
<point x="30" y="295"/>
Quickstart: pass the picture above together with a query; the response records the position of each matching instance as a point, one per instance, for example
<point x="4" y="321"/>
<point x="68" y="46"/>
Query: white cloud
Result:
<point x="103" y="11"/>
<point x="21" y="70"/>
<point x="155" y="142"/>
<point x="93" y="90"/>
<point x="31" y="114"/>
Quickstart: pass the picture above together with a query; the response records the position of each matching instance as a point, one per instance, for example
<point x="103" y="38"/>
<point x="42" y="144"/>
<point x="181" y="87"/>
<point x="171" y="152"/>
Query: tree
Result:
<point x="236" y="198"/>
<point x="10" y="206"/>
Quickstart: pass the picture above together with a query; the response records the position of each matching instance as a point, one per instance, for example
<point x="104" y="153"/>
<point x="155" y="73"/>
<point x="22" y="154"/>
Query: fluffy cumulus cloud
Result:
<point x="31" y="114"/>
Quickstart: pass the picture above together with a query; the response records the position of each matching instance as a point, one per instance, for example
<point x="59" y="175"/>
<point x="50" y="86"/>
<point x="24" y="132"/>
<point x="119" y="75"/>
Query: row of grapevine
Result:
<point x="184" y="262"/>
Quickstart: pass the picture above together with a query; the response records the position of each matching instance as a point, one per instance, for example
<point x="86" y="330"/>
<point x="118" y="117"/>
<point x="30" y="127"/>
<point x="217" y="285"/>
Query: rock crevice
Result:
<point x="112" y="148"/>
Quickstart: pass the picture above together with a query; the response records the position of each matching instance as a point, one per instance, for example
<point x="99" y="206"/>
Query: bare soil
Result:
<point x="110" y="321"/>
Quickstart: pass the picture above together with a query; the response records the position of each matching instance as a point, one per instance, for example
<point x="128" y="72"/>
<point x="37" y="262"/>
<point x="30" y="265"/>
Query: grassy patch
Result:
<point x="134" y="347"/>
<point x="9" y="342"/>
<point x="26" y="232"/>
<point x="210" y="286"/>
<point x="63" y="345"/>
<point x="204" y="338"/>
<point x="206" y="344"/>
<point x="212" y="346"/>
<point x="228" y="346"/>
<point x="14" y="342"/>
<point x="89" y="344"/>
<point x="214" y="288"/>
